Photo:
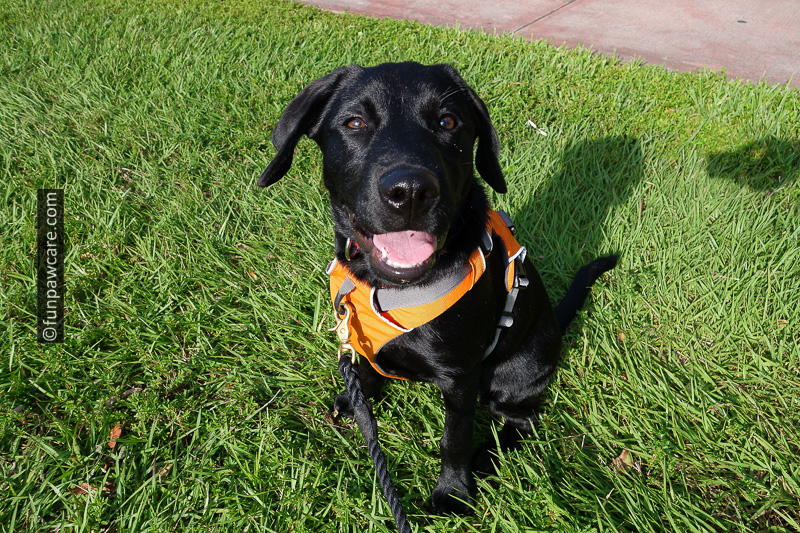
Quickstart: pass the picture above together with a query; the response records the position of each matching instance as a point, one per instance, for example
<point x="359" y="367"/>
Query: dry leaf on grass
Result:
<point x="623" y="462"/>
<point x="162" y="472"/>
<point x="115" y="433"/>
<point x="83" y="488"/>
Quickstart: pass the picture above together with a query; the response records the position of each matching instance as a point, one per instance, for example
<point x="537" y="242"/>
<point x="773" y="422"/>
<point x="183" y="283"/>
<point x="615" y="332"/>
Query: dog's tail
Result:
<point x="579" y="290"/>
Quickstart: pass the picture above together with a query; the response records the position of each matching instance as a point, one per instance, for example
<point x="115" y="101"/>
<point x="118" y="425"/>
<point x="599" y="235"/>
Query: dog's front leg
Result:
<point x="456" y="484"/>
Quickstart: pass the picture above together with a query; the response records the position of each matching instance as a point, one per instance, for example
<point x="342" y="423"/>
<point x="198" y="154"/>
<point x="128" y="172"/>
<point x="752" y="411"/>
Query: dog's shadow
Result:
<point x="564" y="223"/>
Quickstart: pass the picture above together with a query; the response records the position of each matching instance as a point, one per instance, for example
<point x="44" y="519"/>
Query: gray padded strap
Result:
<point x="388" y="299"/>
<point x="507" y="220"/>
<point x="347" y="287"/>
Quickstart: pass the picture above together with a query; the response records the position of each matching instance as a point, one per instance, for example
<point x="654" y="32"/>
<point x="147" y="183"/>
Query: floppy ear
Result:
<point x="486" y="156"/>
<point x="300" y="118"/>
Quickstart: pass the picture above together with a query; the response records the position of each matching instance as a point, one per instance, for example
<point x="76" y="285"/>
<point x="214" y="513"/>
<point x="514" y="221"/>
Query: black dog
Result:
<point x="398" y="144"/>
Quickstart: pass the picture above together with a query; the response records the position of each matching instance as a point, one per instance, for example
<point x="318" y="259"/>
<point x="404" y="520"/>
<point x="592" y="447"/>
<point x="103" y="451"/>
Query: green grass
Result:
<point x="196" y="308"/>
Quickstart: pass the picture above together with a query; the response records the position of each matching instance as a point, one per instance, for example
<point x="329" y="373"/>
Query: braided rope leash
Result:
<point x="369" y="429"/>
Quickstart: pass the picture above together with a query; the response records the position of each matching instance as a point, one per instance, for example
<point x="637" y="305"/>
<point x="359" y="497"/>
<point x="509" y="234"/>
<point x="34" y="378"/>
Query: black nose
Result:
<point x="411" y="193"/>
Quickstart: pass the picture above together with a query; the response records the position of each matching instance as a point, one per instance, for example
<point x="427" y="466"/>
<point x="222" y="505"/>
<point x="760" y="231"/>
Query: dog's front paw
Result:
<point x="451" y="500"/>
<point x="342" y="406"/>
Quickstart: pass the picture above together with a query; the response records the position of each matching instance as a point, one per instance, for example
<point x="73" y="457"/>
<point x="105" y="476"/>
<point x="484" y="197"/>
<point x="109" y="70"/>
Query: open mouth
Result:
<point x="400" y="255"/>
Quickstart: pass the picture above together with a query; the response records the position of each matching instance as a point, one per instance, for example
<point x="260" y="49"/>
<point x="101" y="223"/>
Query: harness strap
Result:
<point x="507" y="317"/>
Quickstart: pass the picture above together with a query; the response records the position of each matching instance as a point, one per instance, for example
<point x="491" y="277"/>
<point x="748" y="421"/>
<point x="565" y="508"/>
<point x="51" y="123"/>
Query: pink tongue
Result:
<point x="405" y="248"/>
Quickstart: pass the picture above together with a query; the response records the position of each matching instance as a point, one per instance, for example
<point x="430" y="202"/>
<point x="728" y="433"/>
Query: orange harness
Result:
<point x="378" y="315"/>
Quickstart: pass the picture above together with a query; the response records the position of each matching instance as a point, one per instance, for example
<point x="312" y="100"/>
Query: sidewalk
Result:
<point x="750" y="39"/>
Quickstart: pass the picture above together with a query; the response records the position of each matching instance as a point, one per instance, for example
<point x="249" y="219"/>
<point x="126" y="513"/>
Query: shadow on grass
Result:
<point x="764" y="164"/>
<point x="569" y="218"/>
<point x="569" y="215"/>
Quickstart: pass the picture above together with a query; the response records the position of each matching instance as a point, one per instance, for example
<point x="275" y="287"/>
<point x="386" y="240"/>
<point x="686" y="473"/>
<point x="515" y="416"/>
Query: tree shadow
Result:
<point x="764" y="164"/>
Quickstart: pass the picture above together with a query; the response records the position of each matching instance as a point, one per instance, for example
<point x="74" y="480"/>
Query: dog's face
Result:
<point x="398" y="142"/>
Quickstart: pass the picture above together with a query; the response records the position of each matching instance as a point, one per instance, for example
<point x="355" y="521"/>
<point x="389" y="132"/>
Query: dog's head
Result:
<point x="398" y="144"/>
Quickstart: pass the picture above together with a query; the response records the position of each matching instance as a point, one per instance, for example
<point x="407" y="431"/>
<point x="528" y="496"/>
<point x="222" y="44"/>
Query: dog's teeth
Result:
<point x="398" y="265"/>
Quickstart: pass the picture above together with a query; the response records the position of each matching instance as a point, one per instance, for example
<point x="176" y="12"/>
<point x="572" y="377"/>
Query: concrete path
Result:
<point x="749" y="39"/>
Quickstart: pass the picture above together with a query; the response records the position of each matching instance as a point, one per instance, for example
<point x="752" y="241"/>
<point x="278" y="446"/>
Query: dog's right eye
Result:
<point x="447" y="122"/>
<point x="356" y="123"/>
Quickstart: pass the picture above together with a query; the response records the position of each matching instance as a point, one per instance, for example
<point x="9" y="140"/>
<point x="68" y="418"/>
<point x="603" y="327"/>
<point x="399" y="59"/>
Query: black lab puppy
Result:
<point x="411" y="222"/>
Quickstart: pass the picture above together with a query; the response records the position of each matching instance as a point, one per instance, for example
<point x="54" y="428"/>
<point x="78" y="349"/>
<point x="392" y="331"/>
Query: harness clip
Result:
<point x="342" y="329"/>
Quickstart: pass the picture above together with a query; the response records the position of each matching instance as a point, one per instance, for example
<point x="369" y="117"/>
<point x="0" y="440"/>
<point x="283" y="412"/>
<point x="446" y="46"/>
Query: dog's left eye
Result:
<point x="447" y="122"/>
<point x="356" y="123"/>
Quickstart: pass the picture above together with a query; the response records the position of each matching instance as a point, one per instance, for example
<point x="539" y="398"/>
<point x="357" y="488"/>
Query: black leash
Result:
<point x="369" y="429"/>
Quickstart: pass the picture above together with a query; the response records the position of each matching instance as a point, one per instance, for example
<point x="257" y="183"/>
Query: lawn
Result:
<point x="195" y="303"/>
